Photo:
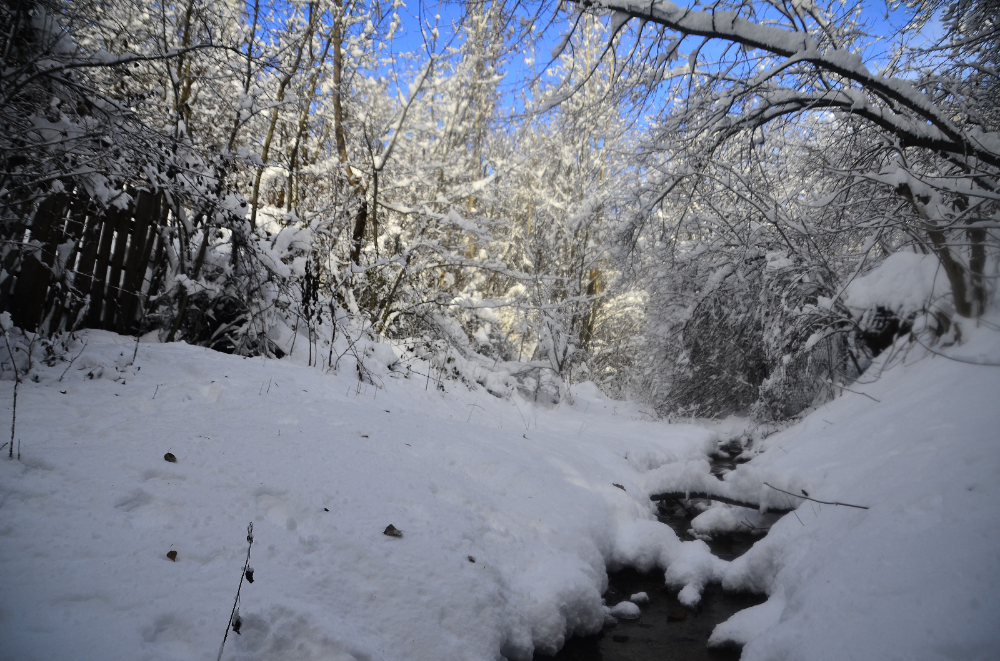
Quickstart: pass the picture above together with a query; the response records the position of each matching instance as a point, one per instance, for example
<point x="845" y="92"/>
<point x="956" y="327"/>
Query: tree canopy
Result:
<point x="676" y="202"/>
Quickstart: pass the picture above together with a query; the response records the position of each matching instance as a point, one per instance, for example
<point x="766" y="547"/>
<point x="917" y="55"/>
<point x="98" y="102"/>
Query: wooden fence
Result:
<point x="76" y="267"/>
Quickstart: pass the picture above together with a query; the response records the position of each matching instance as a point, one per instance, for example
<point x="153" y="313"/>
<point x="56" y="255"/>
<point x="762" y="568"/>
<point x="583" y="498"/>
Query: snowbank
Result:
<point x="916" y="576"/>
<point x="905" y="282"/>
<point x="509" y="514"/>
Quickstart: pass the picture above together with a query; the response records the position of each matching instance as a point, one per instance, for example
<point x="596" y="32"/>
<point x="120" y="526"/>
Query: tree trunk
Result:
<point x="953" y="269"/>
<point x="314" y="16"/>
<point x="594" y="289"/>
<point x="361" y="217"/>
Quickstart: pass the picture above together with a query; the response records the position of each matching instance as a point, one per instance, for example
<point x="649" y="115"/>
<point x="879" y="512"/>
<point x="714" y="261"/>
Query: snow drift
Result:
<point x="509" y="514"/>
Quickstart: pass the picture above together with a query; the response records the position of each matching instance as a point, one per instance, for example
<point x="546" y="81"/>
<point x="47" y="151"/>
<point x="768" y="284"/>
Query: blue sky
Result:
<point x="878" y="19"/>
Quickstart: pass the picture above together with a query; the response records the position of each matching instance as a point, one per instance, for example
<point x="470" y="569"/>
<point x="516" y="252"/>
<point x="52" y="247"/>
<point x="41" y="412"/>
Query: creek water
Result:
<point x="666" y="630"/>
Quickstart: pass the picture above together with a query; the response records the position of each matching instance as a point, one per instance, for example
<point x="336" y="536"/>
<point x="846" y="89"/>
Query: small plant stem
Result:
<point x="73" y="360"/>
<point x="17" y="382"/>
<point x="13" y="421"/>
<point x="236" y="602"/>
<point x="821" y="502"/>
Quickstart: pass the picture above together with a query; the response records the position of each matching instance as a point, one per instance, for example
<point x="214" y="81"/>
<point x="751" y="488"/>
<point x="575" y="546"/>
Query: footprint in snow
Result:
<point x="134" y="501"/>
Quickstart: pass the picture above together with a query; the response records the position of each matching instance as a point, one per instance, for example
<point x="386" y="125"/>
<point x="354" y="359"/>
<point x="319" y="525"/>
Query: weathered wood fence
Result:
<point x="76" y="267"/>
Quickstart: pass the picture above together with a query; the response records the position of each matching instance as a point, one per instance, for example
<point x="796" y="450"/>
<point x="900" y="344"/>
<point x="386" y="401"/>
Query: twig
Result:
<point x="957" y="360"/>
<point x="682" y="495"/>
<point x="853" y="392"/>
<point x="821" y="502"/>
<point x="236" y="602"/>
<point x="523" y="421"/>
<point x="138" y="333"/>
<point x="472" y="410"/>
<point x="73" y="360"/>
<point x="17" y="382"/>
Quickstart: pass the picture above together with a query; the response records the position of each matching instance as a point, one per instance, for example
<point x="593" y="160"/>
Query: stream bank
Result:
<point x="666" y="630"/>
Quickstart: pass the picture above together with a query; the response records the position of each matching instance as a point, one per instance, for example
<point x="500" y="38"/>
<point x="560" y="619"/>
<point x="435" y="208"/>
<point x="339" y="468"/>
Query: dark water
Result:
<point x="666" y="631"/>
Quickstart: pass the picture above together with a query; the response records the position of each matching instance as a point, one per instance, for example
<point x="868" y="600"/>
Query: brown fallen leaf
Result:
<point x="172" y="555"/>
<point x="392" y="531"/>
<point x="170" y="457"/>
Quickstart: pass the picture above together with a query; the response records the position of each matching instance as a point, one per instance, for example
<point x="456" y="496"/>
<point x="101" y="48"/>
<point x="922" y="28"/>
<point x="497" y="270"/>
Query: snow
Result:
<point x="749" y="623"/>
<point x="721" y="519"/>
<point x="916" y="576"/>
<point x="904" y="282"/>
<point x="693" y="475"/>
<point x="509" y="514"/>
<point x="626" y="610"/>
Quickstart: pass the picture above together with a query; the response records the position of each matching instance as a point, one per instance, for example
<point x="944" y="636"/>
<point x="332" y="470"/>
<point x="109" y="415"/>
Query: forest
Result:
<point x="671" y="203"/>
<point x="717" y="219"/>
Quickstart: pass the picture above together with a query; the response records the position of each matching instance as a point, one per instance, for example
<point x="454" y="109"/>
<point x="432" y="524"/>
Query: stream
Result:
<point x="666" y="630"/>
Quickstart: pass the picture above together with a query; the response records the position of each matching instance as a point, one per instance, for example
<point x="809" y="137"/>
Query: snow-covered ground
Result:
<point x="915" y="576"/>
<point x="510" y="514"/>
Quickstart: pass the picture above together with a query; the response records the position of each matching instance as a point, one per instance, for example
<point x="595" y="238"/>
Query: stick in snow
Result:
<point x="247" y="574"/>
<point x="682" y="495"/>
<point x="821" y="502"/>
<point x="17" y="382"/>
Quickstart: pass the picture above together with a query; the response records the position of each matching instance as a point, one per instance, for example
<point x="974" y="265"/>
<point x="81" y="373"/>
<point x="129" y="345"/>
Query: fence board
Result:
<point x="159" y="263"/>
<point x="59" y="298"/>
<point x="108" y="222"/>
<point x="113" y="261"/>
<point x="112" y="299"/>
<point x="84" y="277"/>
<point x="33" y="278"/>
<point x="10" y="253"/>
<point x="135" y="265"/>
<point x="157" y="218"/>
